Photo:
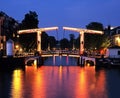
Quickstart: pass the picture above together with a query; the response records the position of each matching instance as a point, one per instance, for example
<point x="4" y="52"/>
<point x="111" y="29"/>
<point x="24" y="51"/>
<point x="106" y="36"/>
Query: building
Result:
<point x="113" y="52"/>
<point x="115" y="36"/>
<point x="8" y="30"/>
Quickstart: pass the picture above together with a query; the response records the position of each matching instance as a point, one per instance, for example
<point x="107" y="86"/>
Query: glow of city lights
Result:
<point x="21" y="49"/>
<point x="118" y="39"/>
<point x="17" y="46"/>
<point x="16" y="84"/>
<point x="35" y="62"/>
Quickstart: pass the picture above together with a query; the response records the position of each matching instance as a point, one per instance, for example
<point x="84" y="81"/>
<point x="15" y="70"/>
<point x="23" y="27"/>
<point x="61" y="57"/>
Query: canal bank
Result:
<point x="108" y="62"/>
<point x="10" y="63"/>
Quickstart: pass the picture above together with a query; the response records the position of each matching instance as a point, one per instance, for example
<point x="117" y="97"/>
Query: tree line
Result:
<point x="28" y="42"/>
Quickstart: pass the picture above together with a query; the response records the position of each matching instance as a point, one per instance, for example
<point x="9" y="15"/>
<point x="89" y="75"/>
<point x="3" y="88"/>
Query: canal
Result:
<point x="60" y="77"/>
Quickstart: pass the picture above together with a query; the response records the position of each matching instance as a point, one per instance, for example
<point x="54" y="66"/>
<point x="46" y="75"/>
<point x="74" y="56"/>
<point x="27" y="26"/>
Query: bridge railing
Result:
<point x="25" y="54"/>
<point x="60" y="52"/>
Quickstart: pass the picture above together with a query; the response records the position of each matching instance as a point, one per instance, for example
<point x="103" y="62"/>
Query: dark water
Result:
<point x="61" y="60"/>
<point x="57" y="81"/>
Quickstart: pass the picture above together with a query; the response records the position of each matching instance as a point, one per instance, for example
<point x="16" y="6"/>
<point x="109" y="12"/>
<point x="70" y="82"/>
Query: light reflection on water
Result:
<point x="60" y="82"/>
<point x="61" y="60"/>
<point x="17" y="84"/>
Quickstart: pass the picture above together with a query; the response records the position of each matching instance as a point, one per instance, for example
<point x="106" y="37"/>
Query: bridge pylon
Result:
<point x="81" y="32"/>
<point x="39" y="32"/>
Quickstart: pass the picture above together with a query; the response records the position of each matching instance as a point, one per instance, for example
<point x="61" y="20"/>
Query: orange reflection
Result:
<point x="60" y="72"/>
<point x="17" y="84"/>
<point x="38" y="86"/>
<point x="35" y="62"/>
<point x="91" y="84"/>
<point x="81" y="86"/>
<point x="36" y="82"/>
<point x="100" y="84"/>
<point x="55" y="81"/>
<point x="60" y="75"/>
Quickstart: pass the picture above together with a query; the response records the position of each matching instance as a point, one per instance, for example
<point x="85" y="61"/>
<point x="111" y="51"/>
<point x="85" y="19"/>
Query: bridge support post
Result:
<point x="81" y="42"/>
<point x="82" y="61"/>
<point x="39" y="42"/>
<point x="39" y="61"/>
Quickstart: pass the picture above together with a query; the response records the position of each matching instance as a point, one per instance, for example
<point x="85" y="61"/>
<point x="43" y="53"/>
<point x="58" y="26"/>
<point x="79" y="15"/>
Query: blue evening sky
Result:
<point x="72" y="13"/>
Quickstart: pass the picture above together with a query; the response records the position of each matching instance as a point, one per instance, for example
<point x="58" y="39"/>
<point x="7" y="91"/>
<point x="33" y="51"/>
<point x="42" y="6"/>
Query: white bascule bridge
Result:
<point x="79" y="30"/>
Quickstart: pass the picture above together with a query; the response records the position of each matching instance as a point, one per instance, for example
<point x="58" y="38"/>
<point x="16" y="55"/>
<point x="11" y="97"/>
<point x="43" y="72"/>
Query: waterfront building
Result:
<point x="114" y="50"/>
<point x="8" y="30"/>
<point x="115" y="36"/>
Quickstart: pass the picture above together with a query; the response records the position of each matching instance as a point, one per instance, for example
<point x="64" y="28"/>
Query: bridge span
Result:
<point x="82" y="60"/>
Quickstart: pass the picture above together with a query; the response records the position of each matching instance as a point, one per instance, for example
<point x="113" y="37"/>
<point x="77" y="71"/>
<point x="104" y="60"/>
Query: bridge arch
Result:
<point x="32" y="59"/>
<point x="87" y="60"/>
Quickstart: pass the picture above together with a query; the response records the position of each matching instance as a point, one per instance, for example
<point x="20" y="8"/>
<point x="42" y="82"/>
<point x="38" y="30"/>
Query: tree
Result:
<point x="47" y="40"/>
<point x="95" y="26"/>
<point x="72" y="39"/>
<point x="44" y="40"/>
<point x="77" y="42"/>
<point x="64" y="43"/>
<point x="51" y="41"/>
<point x="93" y="41"/>
<point x="30" y="21"/>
